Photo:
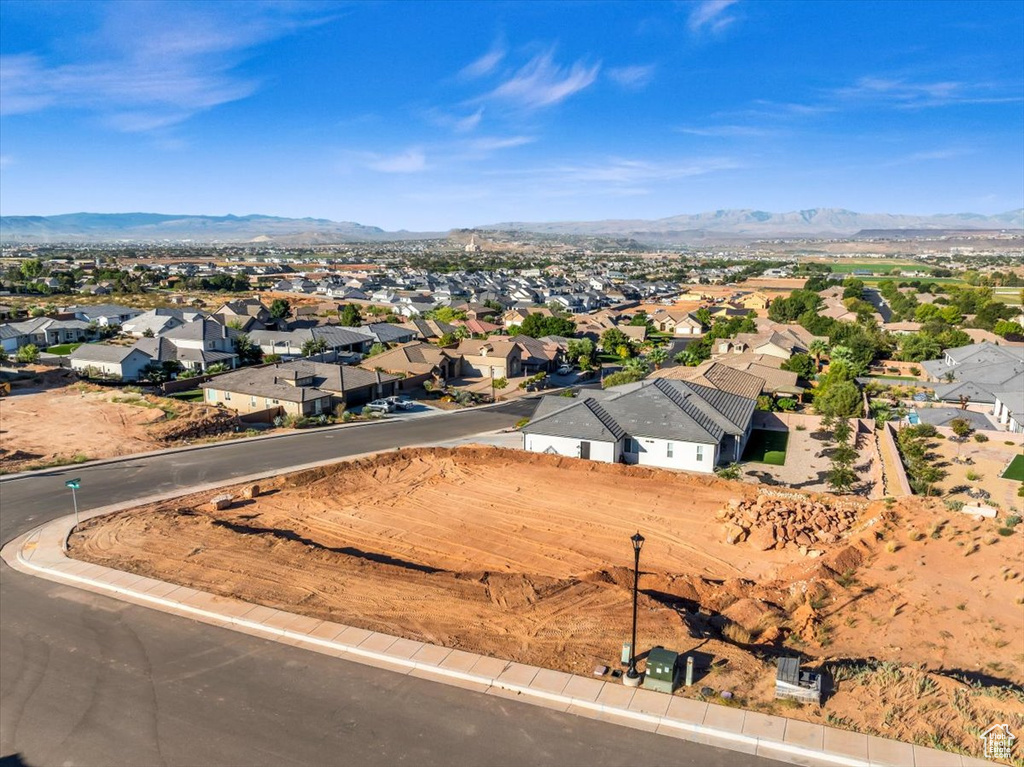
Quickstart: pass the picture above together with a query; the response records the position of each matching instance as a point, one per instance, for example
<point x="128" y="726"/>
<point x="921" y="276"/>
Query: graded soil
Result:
<point x="527" y="557"/>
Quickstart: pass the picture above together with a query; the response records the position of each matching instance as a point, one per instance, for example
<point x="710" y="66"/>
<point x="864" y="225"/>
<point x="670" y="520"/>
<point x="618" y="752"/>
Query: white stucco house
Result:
<point x="108" y="360"/>
<point x="665" y="423"/>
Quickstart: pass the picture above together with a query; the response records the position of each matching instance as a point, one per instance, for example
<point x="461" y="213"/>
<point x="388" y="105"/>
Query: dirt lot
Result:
<point x="527" y="557"/>
<point x="76" y="423"/>
<point x="988" y="462"/>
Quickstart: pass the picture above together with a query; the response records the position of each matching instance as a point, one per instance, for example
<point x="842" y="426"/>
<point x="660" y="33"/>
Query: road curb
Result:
<point x="241" y="440"/>
<point x="40" y="553"/>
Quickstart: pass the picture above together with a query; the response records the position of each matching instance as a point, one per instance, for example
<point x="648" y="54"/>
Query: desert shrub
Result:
<point x="954" y="505"/>
<point x="915" y="371"/>
<point x="734" y="632"/>
<point x="800" y="427"/>
<point x="980" y="438"/>
<point x="1012" y="521"/>
<point x="522" y="422"/>
<point x="1005" y="531"/>
<point x="731" y="471"/>
<point x="973" y="476"/>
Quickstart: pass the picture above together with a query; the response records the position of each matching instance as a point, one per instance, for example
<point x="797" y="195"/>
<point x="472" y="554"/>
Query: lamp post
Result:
<point x="632" y="678"/>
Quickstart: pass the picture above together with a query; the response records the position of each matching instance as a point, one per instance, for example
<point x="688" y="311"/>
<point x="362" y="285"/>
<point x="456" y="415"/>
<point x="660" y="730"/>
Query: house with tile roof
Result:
<point x="417" y="362"/>
<point x="662" y="422"/>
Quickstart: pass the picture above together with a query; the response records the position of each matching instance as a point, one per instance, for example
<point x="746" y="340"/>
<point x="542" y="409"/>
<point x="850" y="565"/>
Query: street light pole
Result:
<point x="633" y="676"/>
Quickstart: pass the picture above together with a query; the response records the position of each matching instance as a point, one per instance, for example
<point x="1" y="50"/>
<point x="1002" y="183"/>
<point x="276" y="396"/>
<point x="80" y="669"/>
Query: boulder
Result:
<point x="734" y="533"/>
<point x="762" y="538"/>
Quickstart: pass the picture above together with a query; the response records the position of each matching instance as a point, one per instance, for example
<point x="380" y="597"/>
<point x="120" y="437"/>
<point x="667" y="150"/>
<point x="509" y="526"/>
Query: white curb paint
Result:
<point x="695" y="729"/>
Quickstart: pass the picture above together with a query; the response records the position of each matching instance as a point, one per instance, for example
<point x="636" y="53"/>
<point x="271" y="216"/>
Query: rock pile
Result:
<point x="773" y="523"/>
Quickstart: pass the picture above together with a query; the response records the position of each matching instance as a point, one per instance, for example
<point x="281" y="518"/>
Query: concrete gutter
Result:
<point x="41" y="552"/>
<point x="435" y="413"/>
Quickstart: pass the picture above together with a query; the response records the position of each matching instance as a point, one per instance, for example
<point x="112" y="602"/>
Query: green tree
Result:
<point x="280" y="308"/>
<point x="637" y="366"/>
<point x="789" y="309"/>
<point x="917" y="347"/>
<point x="314" y="346"/>
<point x="351" y="316"/>
<point x="802" y="365"/>
<point x="612" y="339"/>
<point x="446" y="339"/>
<point x="840" y="400"/>
<point x="1007" y="328"/>
<point x="248" y="352"/>
<point x="538" y="326"/>
<point x="578" y="348"/>
<point x="27" y="353"/>
<point x="377" y="348"/>
<point x="32" y="269"/>
<point x="657" y="356"/>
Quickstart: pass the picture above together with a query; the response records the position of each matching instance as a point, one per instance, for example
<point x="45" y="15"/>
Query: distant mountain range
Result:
<point x="816" y="222"/>
<point x="720" y="224"/>
<point x="156" y="227"/>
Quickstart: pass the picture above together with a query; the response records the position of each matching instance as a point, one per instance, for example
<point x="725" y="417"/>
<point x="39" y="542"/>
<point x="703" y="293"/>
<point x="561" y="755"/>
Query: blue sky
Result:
<point x="428" y="115"/>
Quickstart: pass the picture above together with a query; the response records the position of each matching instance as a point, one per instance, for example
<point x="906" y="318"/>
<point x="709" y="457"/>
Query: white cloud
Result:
<point x="470" y="122"/>
<point x="149" y="65"/>
<point x="619" y="171"/>
<point x="485" y="64"/>
<point x="728" y="131"/>
<point x="634" y="77"/>
<point x="905" y="94"/>
<point x="494" y="143"/>
<point x="710" y="15"/>
<point x="541" y="82"/>
<point x="410" y="161"/>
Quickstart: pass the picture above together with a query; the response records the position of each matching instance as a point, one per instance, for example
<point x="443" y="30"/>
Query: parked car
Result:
<point x="565" y="370"/>
<point x="379" y="406"/>
<point x="401" y="403"/>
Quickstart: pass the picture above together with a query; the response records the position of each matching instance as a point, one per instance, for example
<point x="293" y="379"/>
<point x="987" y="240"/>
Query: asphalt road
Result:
<point x="88" y="680"/>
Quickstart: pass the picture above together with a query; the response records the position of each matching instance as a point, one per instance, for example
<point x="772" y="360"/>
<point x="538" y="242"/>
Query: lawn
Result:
<point x="1016" y="469"/>
<point x="192" y="395"/>
<point x="62" y="349"/>
<point x="767" y="447"/>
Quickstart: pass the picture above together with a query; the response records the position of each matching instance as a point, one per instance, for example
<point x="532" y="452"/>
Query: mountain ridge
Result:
<point x="257" y="228"/>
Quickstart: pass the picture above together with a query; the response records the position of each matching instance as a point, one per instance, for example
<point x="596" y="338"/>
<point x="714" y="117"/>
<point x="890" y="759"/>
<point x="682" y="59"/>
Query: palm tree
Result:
<point x="657" y="357"/>
<point x="637" y="366"/>
<point x="818" y="348"/>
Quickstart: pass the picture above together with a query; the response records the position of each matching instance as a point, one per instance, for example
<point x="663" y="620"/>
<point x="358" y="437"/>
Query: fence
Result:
<point x="888" y="442"/>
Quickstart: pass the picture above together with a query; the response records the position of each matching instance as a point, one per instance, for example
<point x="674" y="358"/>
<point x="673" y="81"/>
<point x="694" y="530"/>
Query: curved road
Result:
<point x="88" y="680"/>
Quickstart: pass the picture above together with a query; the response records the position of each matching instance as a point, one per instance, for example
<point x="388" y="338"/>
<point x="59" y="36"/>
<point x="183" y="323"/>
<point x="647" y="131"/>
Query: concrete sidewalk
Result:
<point x="41" y="553"/>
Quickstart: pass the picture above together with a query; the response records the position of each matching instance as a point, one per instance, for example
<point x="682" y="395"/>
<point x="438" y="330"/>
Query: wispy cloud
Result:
<point x="6" y="161"/>
<point x="728" y="131"/>
<point x="907" y="94"/>
<point x="410" y="161"/>
<point x="711" y="16"/>
<point x="628" y="171"/>
<point x="542" y="82"/>
<point x="485" y="64"/>
<point x="495" y="143"/>
<point x="932" y="155"/>
<point x="632" y="77"/>
<point x="147" y="68"/>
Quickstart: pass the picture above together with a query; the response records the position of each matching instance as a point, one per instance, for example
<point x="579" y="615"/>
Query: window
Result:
<point x="252" y="402"/>
<point x="632" y="445"/>
<point x="700" y="452"/>
<point x="227" y="396"/>
<point x="668" y="449"/>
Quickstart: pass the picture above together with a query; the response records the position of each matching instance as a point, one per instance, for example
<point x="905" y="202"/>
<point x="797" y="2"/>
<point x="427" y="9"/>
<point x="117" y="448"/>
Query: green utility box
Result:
<point x="662" y="670"/>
